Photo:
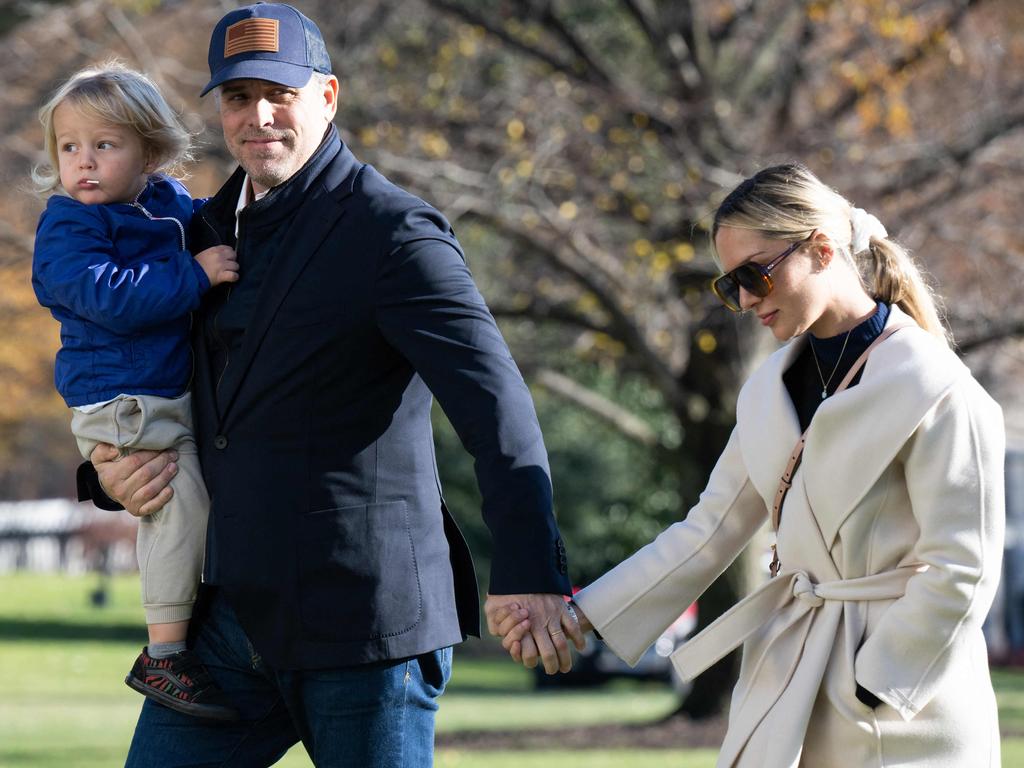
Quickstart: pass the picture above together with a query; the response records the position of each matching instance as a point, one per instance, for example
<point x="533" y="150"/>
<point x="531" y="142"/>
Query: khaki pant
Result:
<point x="171" y="542"/>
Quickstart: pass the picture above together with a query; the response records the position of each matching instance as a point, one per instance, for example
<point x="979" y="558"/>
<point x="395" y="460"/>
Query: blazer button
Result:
<point x="220" y="442"/>
<point x="560" y="554"/>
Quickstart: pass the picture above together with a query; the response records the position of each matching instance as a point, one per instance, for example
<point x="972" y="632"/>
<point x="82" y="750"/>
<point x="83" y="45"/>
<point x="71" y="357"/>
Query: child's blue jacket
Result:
<point x="122" y="283"/>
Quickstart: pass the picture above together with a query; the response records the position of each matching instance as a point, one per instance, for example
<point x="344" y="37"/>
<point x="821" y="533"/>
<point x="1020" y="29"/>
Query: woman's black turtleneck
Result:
<point x="802" y="379"/>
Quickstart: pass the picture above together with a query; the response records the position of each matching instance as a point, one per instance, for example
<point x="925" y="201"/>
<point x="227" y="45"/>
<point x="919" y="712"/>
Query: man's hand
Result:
<point x="219" y="263"/>
<point x="541" y="622"/>
<point x="140" y="481"/>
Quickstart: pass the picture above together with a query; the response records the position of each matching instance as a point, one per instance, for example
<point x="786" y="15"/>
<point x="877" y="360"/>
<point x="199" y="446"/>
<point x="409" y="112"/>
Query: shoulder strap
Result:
<point x="859" y="362"/>
<point x="786" y="481"/>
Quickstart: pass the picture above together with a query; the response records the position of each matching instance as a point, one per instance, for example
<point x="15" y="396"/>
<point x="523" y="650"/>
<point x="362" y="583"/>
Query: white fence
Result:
<point x="64" y="535"/>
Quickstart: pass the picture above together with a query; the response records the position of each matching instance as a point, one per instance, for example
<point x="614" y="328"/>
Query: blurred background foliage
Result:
<point x="580" y="147"/>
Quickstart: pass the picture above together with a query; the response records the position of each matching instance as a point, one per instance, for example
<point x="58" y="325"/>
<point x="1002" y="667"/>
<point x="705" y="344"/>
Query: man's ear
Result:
<point x="330" y="94"/>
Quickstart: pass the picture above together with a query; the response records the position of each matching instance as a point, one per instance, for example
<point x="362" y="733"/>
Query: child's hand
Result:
<point x="219" y="263"/>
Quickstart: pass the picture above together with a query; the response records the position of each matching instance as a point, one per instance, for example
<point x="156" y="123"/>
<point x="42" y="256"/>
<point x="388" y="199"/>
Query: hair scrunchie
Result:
<point x="864" y="226"/>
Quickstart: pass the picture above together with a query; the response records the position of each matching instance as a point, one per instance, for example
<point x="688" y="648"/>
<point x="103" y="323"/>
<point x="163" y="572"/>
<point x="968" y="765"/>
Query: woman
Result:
<point x="866" y="648"/>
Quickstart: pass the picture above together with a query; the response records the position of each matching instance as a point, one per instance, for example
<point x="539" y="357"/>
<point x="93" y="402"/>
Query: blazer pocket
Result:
<point x="358" y="577"/>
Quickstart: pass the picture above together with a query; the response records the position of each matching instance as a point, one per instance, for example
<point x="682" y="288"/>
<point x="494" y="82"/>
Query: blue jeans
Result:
<point x="378" y="715"/>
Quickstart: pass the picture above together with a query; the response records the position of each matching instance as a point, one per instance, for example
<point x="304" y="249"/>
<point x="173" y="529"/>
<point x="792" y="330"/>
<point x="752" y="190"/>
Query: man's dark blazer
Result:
<point x="327" y="529"/>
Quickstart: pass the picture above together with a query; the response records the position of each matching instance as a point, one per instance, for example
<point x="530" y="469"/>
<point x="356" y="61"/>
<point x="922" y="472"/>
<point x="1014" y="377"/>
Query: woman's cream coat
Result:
<point x="890" y="542"/>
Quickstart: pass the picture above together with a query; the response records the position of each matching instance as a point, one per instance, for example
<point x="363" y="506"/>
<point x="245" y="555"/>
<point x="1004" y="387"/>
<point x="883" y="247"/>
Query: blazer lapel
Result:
<point x="321" y="191"/>
<point x="308" y="230"/>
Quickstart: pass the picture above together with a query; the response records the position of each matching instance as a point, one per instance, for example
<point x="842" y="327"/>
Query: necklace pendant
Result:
<point x="824" y="394"/>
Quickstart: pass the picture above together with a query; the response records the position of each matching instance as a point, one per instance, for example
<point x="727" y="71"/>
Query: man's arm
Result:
<point x="429" y="309"/>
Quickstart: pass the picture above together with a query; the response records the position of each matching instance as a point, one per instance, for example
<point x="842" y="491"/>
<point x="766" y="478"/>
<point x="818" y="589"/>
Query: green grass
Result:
<point x="614" y="758"/>
<point x="62" y="701"/>
<point x="487" y="694"/>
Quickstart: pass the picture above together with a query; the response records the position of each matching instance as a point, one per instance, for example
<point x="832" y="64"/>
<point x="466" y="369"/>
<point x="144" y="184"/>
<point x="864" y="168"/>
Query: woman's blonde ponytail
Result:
<point x="893" y="277"/>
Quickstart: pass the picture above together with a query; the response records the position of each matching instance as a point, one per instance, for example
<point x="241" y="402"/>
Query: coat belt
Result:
<point x="733" y="627"/>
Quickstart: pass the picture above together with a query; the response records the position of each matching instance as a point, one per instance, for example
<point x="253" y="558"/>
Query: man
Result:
<point x="336" y="579"/>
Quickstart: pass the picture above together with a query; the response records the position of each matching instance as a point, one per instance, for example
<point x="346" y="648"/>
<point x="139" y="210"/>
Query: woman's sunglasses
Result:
<point x="755" y="279"/>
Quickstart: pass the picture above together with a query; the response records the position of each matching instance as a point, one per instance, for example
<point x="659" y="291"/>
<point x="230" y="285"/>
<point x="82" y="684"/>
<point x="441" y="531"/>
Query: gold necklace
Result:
<point x="824" y="383"/>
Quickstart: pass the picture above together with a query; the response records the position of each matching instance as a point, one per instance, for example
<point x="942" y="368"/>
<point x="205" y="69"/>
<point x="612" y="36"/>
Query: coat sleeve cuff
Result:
<point x="89" y="488"/>
<point x="906" y="708"/>
<point x="522" y="565"/>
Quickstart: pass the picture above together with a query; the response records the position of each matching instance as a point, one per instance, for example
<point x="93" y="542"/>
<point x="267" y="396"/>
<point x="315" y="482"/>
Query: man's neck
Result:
<point x="254" y="191"/>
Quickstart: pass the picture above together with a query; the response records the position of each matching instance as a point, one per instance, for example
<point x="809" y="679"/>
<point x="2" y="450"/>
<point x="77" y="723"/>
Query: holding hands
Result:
<point x="534" y="628"/>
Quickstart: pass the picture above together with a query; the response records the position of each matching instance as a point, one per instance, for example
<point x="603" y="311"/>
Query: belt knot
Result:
<point x="803" y="589"/>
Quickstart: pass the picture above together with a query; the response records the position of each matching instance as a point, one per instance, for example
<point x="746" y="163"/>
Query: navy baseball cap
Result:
<point x="266" y="41"/>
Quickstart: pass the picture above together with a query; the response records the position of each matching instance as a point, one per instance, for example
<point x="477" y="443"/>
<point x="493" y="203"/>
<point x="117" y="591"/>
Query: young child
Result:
<point x="111" y="263"/>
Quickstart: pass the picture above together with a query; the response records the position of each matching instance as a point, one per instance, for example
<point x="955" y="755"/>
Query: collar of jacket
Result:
<point x="281" y="202"/>
<point x="162" y="196"/>
<point x="855" y="434"/>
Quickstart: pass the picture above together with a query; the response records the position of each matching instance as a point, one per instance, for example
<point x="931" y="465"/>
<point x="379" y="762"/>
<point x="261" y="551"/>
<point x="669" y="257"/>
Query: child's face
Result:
<point x="99" y="162"/>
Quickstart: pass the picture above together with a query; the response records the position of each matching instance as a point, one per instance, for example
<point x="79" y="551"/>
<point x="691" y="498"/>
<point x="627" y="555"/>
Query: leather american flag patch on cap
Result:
<point x="251" y="35"/>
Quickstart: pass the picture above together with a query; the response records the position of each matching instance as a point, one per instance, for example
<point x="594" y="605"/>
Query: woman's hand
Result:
<point x="140" y="481"/>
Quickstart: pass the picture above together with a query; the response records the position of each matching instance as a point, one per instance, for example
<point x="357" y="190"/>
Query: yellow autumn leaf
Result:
<point x="706" y="342"/>
<point x="515" y="129"/>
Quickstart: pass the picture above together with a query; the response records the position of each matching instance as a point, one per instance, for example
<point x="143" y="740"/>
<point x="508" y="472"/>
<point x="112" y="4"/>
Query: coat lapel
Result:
<point x="767" y="420"/>
<point x="855" y="434"/>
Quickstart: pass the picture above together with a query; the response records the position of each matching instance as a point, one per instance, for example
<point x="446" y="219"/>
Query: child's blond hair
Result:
<point x="115" y="94"/>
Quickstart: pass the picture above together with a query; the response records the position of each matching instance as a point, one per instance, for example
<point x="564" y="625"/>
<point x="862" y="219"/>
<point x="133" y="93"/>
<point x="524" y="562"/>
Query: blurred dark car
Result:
<point x="597" y="664"/>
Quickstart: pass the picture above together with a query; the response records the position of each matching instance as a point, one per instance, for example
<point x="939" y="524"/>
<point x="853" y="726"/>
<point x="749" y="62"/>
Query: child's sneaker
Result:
<point x="182" y="683"/>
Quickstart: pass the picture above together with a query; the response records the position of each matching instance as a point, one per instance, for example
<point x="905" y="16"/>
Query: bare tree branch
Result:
<point x="683" y="73"/>
<point x="552" y="249"/>
<point x="627" y="423"/>
<point x="907" y="60"/>
<point x="544" y="312"/>
<point x="728" y="28"/>
<point x="424" y="170"/>
<point x="485" y="22"/>
<point x="950" y="159"/>
<point x="1000" y="331"/>
<point x="769" y="54"/>
<point x="697" y="34"/>
<point x="583" y="56"/>
<point x="789" y="75"/>
<point x="626" y="98"/>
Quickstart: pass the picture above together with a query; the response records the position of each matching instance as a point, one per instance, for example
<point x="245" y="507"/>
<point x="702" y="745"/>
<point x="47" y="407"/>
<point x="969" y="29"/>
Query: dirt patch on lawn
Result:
<point x="672" y="733"/>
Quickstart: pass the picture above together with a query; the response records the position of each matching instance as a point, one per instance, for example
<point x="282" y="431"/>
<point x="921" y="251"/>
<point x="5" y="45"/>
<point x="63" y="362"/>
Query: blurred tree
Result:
<point x="591" y="140"/>
<point x="580" y="148"/>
